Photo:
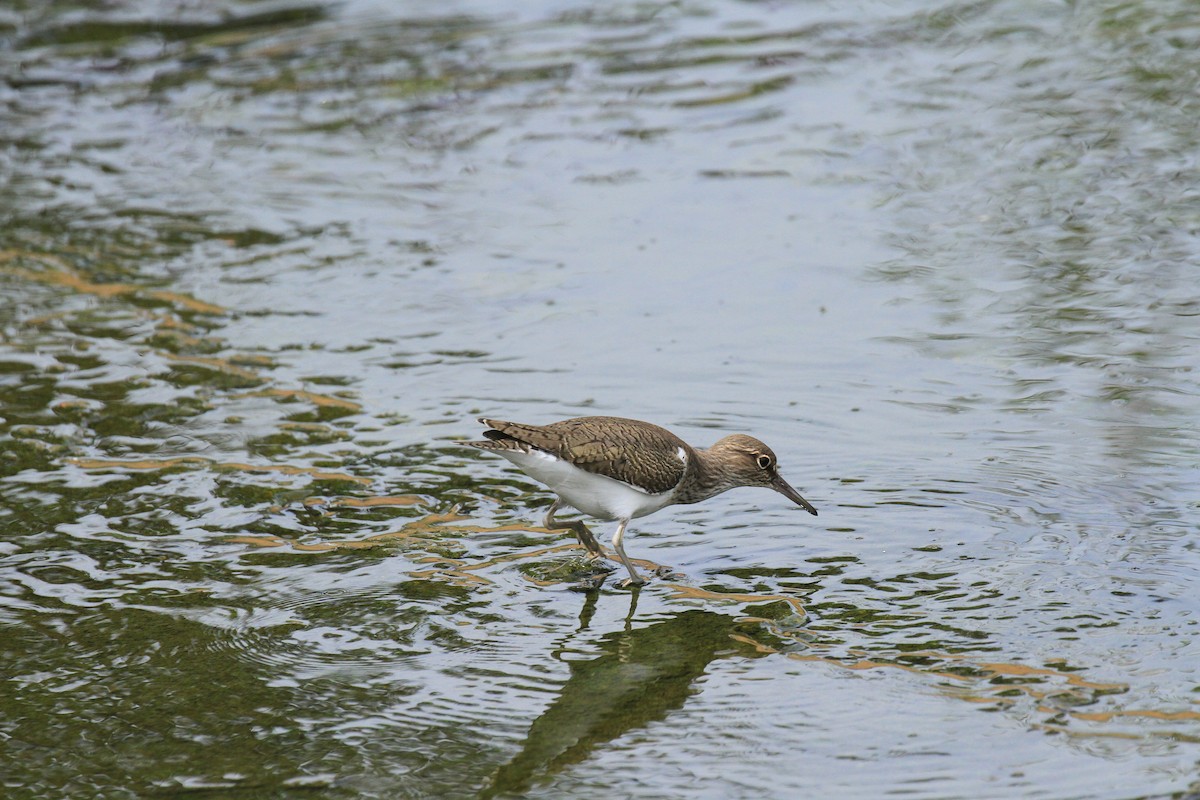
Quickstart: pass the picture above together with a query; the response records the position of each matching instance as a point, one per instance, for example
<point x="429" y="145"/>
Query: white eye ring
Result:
<point x="764" y="462"/>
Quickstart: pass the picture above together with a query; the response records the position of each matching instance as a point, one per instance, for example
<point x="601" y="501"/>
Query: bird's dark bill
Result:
<point x="782" y="486"/>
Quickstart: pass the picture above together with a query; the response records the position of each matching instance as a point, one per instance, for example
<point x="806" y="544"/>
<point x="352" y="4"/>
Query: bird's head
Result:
<point x="749" y="462"/>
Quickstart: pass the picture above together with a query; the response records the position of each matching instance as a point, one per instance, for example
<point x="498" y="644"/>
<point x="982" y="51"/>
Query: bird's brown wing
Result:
<point x="629" y="450"/>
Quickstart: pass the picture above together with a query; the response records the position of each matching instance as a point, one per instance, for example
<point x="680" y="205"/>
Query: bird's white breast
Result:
<point x="595" y="495"/>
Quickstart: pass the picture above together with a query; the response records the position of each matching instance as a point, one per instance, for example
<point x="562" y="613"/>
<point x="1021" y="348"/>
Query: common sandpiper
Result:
<point x="619" y="469"/>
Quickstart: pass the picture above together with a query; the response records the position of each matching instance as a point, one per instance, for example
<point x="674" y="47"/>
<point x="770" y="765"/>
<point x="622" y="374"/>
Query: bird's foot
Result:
<point x="597" y="552"/>
<point x="587" y="540"/>
<point x="585" y="537"/>
<point x="659" y="572"/>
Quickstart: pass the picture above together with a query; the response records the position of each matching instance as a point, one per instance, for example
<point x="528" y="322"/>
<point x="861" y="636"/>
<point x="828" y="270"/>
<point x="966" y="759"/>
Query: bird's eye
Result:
<point x="764" y="462"/>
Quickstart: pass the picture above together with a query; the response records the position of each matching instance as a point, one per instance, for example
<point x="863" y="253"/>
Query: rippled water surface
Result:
<point x="262" y="264"/>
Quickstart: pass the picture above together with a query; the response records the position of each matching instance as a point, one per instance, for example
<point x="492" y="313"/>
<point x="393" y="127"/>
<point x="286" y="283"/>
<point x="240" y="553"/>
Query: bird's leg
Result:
<point x="580" y="530"/>
<point x="634" y="578"/>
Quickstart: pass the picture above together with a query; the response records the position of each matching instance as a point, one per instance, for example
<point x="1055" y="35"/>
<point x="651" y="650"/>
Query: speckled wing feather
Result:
<point x="629" y="450"/>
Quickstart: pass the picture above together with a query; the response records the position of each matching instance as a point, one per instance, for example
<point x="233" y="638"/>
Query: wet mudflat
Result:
<point x="263" y="264"/>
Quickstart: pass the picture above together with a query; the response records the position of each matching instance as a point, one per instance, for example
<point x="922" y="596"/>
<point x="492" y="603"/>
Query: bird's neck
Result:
<point x="706" y="477"/>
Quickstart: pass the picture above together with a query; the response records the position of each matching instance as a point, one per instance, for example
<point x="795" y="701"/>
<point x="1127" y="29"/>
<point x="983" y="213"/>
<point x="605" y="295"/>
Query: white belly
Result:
<point x="594" y="495"/>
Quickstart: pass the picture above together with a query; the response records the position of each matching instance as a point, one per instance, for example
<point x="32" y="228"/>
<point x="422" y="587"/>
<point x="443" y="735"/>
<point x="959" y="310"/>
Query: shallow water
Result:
<point x="263" y="265"/>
